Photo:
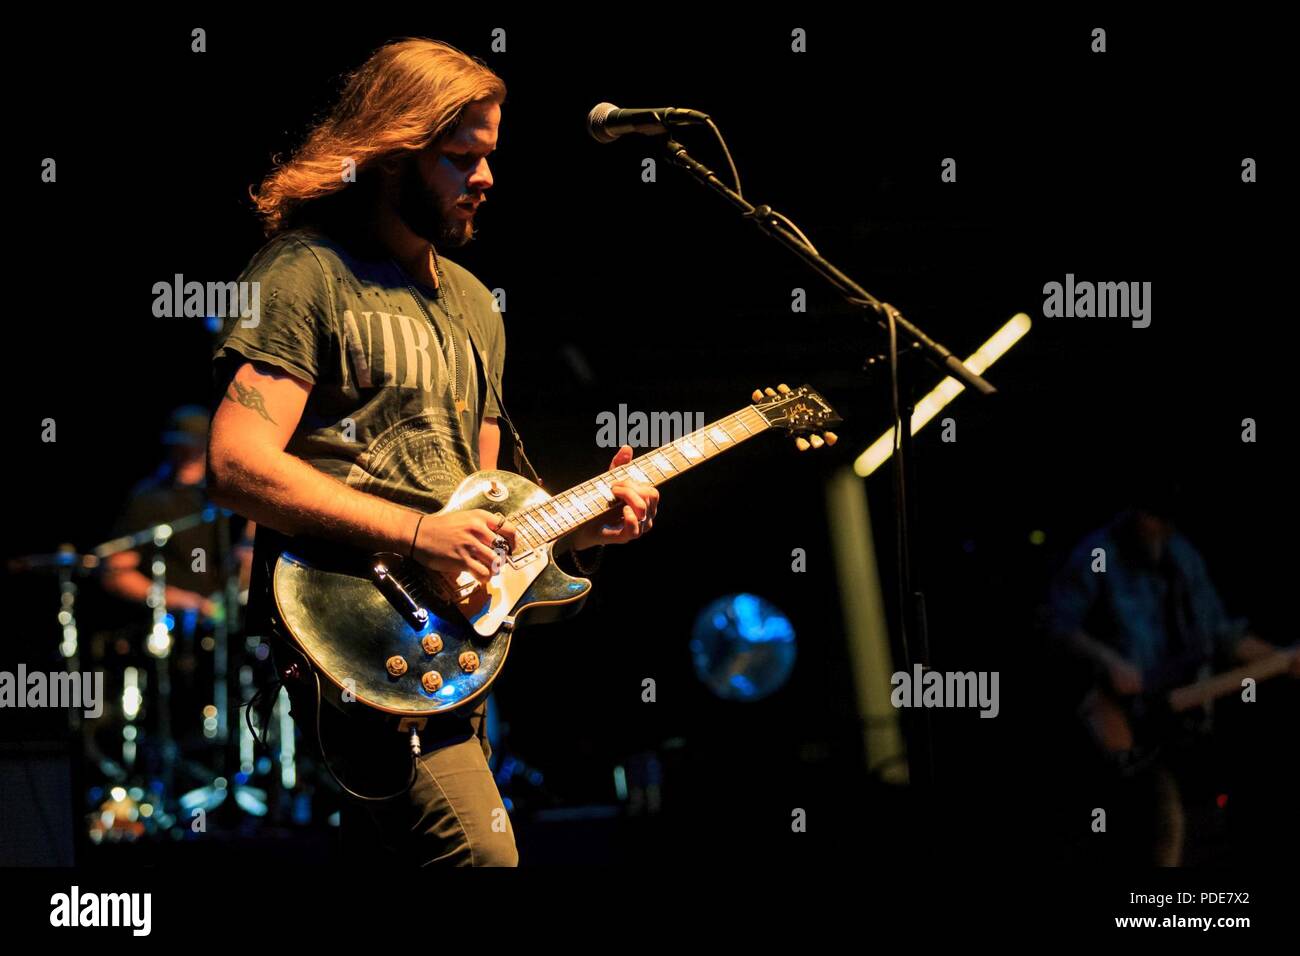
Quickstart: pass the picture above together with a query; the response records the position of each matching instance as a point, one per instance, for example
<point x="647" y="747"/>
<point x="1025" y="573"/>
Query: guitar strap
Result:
<point x="522" y="465"/>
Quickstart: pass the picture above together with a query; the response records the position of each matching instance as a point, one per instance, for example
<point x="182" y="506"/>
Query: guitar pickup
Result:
<point x="467" y="584"/>
<point x="454" y="591"/>
<point x="527" y="558"/>
<point x="398" y="596"/>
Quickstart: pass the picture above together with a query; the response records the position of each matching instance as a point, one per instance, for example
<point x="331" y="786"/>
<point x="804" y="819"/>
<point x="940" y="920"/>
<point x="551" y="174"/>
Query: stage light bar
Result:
<point x="943" y="393"/>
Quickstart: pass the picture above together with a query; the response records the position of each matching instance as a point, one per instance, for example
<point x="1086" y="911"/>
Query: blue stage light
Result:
<point x="743" y="647"/>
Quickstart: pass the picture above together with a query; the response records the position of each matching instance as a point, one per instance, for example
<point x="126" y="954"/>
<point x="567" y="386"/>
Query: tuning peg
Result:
<point x="783" y="389"/>
<point x="757" y="396"/>
<point x="769" y="393"/>
<point x="831" y="437"/>
<point x="802" y="444"/>
<point x="816" y="441"/>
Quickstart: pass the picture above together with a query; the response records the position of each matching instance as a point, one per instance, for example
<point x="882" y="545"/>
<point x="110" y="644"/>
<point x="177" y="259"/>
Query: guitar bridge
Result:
<point x="398" y="596"/>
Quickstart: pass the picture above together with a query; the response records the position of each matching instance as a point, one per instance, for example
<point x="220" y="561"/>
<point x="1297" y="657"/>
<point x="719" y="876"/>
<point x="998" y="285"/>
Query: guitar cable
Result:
<point x="261" y="739"/>
<point x="320" y="745"/>
<point x="252" y="705"/>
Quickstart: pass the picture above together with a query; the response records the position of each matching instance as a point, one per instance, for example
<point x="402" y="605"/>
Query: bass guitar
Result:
<point x="1127" y="730"/>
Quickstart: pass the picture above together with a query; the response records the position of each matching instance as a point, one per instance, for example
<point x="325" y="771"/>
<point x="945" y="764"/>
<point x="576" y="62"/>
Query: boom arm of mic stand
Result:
<point x="854" y="294"/>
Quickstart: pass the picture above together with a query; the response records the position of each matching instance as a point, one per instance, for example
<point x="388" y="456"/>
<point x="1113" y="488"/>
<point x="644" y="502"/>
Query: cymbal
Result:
<point x="53" y="562"/>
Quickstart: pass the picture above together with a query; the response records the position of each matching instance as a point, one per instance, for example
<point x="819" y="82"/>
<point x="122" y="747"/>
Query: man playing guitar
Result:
<point x="1135" y="603"/>
<point x="367" y="388"/>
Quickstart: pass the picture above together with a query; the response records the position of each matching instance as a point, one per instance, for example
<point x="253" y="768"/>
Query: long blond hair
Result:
<point x="407" y="95"/>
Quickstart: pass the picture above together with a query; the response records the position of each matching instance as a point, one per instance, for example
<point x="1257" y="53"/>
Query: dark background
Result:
<point x="1123" y="166"/>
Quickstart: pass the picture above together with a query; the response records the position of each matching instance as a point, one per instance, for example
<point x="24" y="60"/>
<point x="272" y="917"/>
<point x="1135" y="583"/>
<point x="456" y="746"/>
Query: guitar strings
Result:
<point x="586" y="489"/>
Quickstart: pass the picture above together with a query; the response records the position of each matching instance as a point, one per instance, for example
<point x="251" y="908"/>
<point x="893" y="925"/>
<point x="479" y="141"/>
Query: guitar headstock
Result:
<point x="800" y="411"/>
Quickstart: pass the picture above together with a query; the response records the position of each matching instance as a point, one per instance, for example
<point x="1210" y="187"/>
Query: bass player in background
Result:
<point x="1135" y="607"/>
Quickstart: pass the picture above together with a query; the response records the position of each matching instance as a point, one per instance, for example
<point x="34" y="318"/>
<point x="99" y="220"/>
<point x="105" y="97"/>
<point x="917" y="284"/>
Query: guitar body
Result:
<point x="1107" y="722"/>
<point x="413" y="643"/>
<point x="1128" y="732"/>
<point x="354" y="627"/>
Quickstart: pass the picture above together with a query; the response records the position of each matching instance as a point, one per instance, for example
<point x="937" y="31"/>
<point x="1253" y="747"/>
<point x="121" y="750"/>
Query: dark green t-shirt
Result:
<point x="396" y="404"/>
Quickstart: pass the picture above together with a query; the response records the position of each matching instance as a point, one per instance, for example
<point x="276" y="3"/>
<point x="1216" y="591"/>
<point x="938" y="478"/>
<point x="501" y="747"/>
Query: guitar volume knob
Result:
<point x="431" y="681"/>
<point x="432" y="643"/>
<point x="396" y="666"/>
<point x="468" y="662"/>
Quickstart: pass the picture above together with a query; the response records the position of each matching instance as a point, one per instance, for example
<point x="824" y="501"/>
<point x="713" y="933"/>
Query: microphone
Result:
<point x="606" y="122"/>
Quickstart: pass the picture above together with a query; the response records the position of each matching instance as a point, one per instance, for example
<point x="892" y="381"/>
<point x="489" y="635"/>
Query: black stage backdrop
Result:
<point x="1116" y="166"/>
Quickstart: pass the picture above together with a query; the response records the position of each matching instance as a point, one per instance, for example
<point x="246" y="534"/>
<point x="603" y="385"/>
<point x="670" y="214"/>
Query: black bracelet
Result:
<point x="599" y="553"/>
<point x="414" y="536"/>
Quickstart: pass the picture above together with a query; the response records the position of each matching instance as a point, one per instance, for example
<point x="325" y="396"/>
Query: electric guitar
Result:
<point x="1127" y="730"/>
<point x="412" y="643"/>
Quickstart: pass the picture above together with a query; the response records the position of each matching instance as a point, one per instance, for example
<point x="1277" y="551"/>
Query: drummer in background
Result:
<point x="174" y="491"/>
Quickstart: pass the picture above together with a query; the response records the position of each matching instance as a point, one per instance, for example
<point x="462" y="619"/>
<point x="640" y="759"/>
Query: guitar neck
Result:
<point x="563" y="513"/>
<point x="1220" y="685"/>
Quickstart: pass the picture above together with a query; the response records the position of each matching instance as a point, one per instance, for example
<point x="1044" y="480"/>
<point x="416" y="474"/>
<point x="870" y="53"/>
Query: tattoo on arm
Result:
<point x="249" y="397"/>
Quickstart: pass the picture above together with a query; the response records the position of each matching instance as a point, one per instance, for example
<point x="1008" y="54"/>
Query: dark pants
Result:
<point x="453" y="814"/>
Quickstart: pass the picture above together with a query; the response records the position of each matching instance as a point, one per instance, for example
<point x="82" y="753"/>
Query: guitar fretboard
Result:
<point x="556" y="517"/>
<point x="1229" y="682"/>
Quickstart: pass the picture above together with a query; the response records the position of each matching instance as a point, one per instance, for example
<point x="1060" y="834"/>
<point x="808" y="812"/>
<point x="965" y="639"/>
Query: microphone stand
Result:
<point x="911" y="602"/>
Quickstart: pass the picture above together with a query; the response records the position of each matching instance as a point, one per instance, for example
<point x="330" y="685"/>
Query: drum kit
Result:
<point x="175" y="740"/>
<point x="172" y="743"/>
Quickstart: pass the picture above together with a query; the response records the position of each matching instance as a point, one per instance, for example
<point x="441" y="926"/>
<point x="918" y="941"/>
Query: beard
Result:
<point x="422" y="212"/>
